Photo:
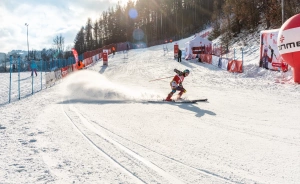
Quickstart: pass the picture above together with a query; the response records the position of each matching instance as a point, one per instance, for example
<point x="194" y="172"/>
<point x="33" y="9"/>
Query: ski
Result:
<point x="191" y="101"/>
<point x="200" y="100"/>
<point x="179" y="101"/>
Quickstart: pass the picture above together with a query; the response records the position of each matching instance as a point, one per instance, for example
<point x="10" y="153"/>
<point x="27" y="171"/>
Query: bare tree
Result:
<point x="59" y="43"/>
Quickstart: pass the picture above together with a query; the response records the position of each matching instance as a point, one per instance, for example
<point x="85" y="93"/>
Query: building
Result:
<point x="22" y="54"/>
<point x="2" y="62"/>
<point x="2" y="56"/>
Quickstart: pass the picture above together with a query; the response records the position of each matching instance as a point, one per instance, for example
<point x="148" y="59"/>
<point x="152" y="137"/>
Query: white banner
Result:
<point x="223" y="63"/>
<point x="289" y="40"/>
<point x="50" y="79"/>
<point x="269" y="52"/>
<point x="215" y="60"/>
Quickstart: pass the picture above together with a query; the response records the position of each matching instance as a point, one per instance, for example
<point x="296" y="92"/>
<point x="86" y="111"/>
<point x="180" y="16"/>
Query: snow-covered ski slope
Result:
<point x="95" y="126"/>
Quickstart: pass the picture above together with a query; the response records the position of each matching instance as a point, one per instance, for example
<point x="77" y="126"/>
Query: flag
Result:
<point x="75" y="54"/>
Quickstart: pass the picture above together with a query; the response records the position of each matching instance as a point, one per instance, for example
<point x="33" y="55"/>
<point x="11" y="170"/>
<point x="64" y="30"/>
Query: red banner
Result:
<point x="64" y="71"/>
<point x="283" y="66"/>
<point x="207" y="58"/>
<point x="104" y="54"/>
<point x="235" y="66"/>
<point x="75" y="54"/>
<point x="176" y="50"/>
<point x="88" y="61"/>
<point x="276" y="64"/>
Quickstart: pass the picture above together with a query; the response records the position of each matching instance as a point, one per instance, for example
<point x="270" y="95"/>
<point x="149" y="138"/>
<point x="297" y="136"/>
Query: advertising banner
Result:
<point x="50" y="79"/>
<point x="105" y="56"/>
<point x="223" y="63"/>
<point x="175" y="50"/>
<point x="64" y="71"/>
<point x="58" y="74"/>
<point x="215" y="60"/>
<point x="75" y="54"/>
<point x="88" y="61"/>
<point x="235" y="66"/>
<point x="206" y="58"/>
<point x="269" y="54"/>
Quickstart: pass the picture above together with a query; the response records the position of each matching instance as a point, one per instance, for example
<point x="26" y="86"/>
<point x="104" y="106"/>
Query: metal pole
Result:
<point x="282" y="10"/>
<point x="234" y="54"/>
<point x="242" y="60"/>
<point x="27" y="41"/>
<point x="41" y="62"/>
<point x="19" y="76"/>
<point x="9" y="93"/>
<point x="32" y="80"/>
<point x="161" y="24"/>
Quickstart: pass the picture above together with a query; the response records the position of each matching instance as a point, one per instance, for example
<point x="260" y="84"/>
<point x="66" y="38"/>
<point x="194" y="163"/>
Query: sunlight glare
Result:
<point x="123" y="2"/>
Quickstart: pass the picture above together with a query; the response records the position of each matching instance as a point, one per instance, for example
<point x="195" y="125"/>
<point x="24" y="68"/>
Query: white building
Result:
<point x="2" y="61"/>
<point x="21" y="53"/>
<point x="2" y="56"/>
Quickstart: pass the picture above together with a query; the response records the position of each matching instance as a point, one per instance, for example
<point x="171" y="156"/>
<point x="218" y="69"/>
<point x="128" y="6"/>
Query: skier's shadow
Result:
<point x="199" y="112"/>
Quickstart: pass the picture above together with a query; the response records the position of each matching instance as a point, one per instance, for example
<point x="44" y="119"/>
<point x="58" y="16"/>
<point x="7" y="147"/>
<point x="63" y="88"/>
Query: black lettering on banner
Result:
<point x="280" y="46"/>
<point x="290" y="44"/>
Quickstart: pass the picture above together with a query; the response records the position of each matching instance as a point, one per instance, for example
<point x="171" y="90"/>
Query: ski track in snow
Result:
<point x="147" y="163"/>
<point x="95" y="146"/>
<point x="124" y="149"/>
<point x="202" y="171"/>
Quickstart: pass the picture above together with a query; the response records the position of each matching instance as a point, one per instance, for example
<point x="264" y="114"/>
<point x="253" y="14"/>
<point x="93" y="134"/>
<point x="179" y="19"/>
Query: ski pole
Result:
<point x="273" y="52"/>
<point x="160" y="79"/>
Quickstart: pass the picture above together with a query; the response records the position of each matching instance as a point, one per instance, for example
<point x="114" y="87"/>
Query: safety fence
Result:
<point x="27" y="78"/>
<point x="231" y="60"/>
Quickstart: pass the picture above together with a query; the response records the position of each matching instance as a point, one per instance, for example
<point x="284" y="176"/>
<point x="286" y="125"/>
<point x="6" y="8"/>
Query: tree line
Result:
<point x="158" y="19"/>
<point x="176" y="19"/>
<point x="230" y="17"/>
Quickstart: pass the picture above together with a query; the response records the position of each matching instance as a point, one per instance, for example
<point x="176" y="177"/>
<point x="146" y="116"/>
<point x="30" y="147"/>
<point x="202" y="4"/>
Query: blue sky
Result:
<point x="47" y="19"/>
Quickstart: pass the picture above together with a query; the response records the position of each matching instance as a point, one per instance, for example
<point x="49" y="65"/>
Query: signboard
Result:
<point x="176" y="50"/>
<point x="269" y="54"/>
<point x="105" y="57"/>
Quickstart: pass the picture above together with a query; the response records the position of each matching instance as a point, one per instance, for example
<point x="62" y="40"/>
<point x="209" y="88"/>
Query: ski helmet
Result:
<point x="186" y="71"/>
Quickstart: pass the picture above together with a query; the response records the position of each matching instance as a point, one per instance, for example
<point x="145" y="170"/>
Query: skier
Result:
<point x="176" y="84"/>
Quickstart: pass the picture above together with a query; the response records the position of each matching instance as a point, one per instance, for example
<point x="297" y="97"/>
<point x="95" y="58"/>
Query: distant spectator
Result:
<point x="179" y="55"/>
<point x="113" y="50"/>
<point x="14" y="67"/>
<point x="127" y="47"/>
<point x="199" y="59"/>
<point x="80" y="65"/>
<point x="33" y="67"/>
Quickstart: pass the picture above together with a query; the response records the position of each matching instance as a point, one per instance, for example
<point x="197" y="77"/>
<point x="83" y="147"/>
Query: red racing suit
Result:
<point x="176" y="83"/>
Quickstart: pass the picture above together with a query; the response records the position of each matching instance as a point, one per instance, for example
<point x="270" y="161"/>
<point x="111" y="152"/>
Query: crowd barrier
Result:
<point x="22" y="80"/>
<point x="231" y="61"/>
